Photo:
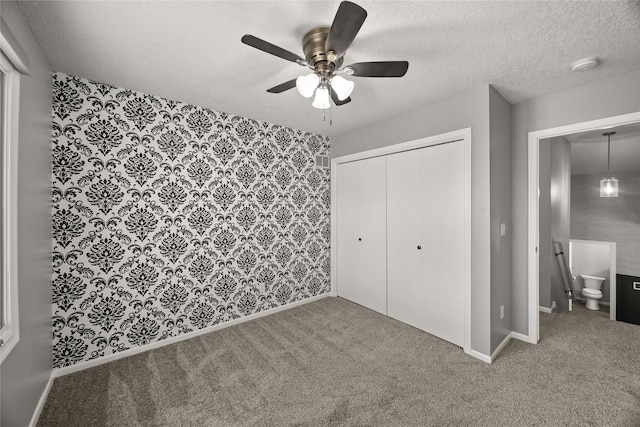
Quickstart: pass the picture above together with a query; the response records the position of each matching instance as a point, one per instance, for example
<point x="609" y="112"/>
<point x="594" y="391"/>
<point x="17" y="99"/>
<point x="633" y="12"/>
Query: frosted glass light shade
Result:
<point x="321" y="100"/>
<point x="342" y="87"/>
<point x="307" y="84"/>
<point x="609" y="187"/>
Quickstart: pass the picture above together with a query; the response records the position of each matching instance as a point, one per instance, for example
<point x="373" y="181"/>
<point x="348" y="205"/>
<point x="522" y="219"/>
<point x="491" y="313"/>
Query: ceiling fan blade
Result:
<point x="379" y="69"/>
<point x="265" y="46"/>
<point x="336" y="100"/>
<point x="282" y="87"/>
<point x="346" y="25"/>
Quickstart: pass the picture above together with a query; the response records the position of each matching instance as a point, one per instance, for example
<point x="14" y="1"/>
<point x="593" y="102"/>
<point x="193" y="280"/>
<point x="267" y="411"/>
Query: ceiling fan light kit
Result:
<point x="324" y="49"/>
<point x="342" y="86"/>
<point x="321" y="100"/>
<point x="306" y="85"/>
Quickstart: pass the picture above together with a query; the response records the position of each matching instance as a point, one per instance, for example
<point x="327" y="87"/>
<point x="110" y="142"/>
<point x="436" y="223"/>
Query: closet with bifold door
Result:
<point x="401" y="222"/>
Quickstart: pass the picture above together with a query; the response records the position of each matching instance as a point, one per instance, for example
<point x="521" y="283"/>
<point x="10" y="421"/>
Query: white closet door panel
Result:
<point x="426" y="210"/>
<point x="405" y="294"/>
<point x="362" y="233"/>
<point x="442" y="255"/>
<point x="347" y="230"/>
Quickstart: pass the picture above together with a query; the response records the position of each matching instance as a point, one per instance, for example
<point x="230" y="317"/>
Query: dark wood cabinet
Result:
<point x="628" y="299"/>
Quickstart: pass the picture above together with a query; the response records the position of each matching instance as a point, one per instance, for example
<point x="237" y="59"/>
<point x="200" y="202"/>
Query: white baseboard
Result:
<point x="40" y="405"/>
<point x="501" y="346"/>
<point x="545" y="310"/>
<point x="59" y="372"/>
<point x="521" y="337"/>
<point x="480" y="356"/>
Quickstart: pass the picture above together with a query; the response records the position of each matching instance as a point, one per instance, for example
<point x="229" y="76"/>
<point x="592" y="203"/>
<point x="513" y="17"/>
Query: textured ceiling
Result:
<point x="191" y="51"/>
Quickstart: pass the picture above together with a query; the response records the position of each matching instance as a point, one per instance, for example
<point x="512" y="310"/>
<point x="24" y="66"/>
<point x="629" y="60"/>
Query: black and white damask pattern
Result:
<point x="168" y="218"/>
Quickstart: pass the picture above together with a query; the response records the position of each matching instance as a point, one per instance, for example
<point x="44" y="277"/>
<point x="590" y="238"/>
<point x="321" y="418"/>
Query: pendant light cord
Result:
<point x="608" y="135"/>
<point x="608" y="154"/>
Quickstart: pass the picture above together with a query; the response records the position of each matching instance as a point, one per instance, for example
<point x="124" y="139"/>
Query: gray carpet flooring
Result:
<point x="332" y="362"/>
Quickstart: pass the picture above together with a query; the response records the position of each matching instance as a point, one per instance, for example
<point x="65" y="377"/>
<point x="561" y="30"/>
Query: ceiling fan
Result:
<point x="324" y="49"/>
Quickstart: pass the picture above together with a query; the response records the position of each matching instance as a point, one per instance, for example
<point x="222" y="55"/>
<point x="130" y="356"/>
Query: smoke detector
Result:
<point x="585" y="64"/>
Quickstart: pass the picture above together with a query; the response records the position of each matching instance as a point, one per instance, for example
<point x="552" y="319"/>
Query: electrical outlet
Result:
<point x="503" y="229"/>
<point x="502" y="311"/>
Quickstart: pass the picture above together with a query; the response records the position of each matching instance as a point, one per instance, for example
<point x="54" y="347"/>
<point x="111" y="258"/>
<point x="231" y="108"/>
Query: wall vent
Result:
<point x="323" y="161"/>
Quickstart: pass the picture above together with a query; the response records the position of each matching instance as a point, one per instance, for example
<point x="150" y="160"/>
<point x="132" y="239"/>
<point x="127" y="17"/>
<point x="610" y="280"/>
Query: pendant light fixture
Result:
<point x="608" y="185"/>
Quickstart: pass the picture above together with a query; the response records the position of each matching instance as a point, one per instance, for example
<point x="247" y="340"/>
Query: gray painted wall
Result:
<point x="546" y="244"/>
<point x="500" y="135"/>
<point x="615" y="219"/>
<point x="468" y="109"/>
<point x="560" y="197"/>
<point x="603" y="98"/>
<point x="555" y="188"/>
<point x="26" y="370"/>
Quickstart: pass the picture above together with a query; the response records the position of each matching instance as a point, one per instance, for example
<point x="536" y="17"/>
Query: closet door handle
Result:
<point x="419" y="247"/>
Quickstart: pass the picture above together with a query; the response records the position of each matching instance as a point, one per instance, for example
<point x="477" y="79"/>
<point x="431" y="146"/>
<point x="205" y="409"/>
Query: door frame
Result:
<point x="463" y="135"/>
<point x="533" y="237"/>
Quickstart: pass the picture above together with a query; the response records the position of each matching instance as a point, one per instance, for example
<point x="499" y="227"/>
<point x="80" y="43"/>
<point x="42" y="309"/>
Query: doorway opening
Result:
<point x="534" y="205"/>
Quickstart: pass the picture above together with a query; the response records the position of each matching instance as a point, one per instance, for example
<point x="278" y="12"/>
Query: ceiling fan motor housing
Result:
<point x="313" y="46"/>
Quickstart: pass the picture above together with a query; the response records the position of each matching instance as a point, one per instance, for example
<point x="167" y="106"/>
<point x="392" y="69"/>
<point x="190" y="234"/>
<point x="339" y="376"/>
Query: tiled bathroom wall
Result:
<point x="614" y="219"/>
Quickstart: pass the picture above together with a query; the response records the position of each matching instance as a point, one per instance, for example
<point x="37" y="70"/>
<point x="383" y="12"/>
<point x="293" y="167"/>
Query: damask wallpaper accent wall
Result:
<point x="169" y="218"/>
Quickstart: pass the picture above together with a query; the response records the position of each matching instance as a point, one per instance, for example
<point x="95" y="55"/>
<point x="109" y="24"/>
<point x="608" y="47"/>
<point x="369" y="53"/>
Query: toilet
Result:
<point x="591" y="291"/>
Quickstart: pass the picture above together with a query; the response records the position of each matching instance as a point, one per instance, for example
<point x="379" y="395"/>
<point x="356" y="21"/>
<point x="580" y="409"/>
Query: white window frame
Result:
<point x="10" y="332"/>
